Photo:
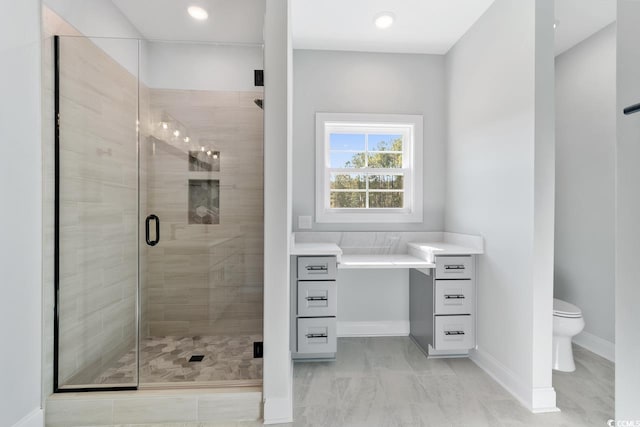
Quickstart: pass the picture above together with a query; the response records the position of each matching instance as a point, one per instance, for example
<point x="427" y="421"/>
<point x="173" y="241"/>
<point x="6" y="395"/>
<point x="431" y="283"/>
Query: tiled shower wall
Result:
<point x="205" y="279"/>
<point x="98" y="209"/>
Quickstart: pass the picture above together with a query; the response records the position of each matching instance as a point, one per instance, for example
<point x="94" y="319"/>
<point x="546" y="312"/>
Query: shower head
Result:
<point x="258" y="102"/>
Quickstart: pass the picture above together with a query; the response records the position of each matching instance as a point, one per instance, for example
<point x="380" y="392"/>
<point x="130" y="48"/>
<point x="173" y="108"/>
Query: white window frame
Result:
<point x="410" y="126"/>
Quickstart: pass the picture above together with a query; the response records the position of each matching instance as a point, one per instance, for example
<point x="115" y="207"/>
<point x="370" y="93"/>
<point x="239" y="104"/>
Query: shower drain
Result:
<point x="196" y="358"/>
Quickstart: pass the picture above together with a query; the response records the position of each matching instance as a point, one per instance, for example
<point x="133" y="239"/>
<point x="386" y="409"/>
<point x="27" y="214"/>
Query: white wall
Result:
<point x="20" y="216"/>
<point x="585" y="180"/>
<point x="101" y="19"/>
<point x="95" y="18"/>
<point x="169" y="65"/>
<point x="200" y="66"/>
<point x="278" y="368"/>
<point x="496" y="155"/>
<point x="373" y="302"/>
<point x="354" y="82"/>
<point x="627" y="214"/>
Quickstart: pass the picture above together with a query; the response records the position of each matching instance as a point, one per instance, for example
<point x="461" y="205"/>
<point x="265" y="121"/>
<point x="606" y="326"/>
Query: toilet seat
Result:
<point x="564" y="309"/>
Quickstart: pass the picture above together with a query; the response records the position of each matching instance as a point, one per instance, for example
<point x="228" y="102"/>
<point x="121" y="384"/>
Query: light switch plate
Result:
<point x="304" y="222"/>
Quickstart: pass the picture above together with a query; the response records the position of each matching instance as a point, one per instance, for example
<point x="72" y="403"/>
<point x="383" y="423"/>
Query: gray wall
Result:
<point x="585" y="179"/>
<point x="21" y="214"/>
<point x="278" y="369"/>
<point x="500" y="185"/>
<point x="627" y="213"/>
<point x="353" y="82"/>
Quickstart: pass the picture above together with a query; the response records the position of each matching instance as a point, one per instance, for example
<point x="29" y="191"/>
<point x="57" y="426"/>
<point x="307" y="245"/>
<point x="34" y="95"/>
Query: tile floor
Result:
<point x="166" y="360"/>
<point x="388" y="382"/>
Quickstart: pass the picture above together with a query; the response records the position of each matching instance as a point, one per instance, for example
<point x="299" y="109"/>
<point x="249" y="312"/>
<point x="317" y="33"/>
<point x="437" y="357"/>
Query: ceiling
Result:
<point x="424" y="26"/>
<point x="421" y="26"/>
<point x="579" y="19"/>
<point x="230" y="21"/>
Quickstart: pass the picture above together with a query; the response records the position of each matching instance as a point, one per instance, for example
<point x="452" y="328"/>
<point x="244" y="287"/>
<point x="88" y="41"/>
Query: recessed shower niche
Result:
<point x="204" y="201"/>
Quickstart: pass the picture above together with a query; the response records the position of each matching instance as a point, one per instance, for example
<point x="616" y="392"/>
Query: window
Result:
<point x="369" y="168"/>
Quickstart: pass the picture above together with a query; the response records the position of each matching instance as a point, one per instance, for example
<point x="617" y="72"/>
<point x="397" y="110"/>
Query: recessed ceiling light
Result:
<point x="384" y="20"/>
<point x="198" y="13"/>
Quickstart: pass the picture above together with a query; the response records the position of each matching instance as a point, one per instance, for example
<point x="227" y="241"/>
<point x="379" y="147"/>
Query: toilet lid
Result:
<point x="564" y="309"/>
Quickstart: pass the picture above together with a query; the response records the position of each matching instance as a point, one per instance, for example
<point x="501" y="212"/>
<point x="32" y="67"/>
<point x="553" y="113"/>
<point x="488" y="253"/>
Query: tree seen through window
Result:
<point x="366" y="171"/>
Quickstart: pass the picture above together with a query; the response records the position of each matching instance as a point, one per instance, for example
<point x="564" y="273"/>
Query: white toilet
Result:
<point x="567" y="322"/>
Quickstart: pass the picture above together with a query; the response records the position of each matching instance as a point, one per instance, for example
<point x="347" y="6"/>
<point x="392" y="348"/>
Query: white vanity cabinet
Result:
<point x="314" y="307"/>
<point x="442" y="306"/>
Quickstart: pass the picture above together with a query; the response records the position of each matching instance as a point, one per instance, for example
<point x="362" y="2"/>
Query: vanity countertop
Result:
<point x="443" y="248"/>
<point x="415" y="254"/>
<point x="315" y="249"/>
<point x="384" y="261"/>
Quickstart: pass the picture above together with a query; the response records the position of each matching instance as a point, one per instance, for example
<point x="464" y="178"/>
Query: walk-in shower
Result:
<point x="159" y="215"/>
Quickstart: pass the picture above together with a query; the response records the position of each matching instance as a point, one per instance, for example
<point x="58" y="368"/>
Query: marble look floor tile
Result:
<point x="390" y="363"/>
<point x="360" y="391"/>
<point x="366" y="416"/>
<point x="419" y="415"/>
<point x="423" y="366"/>
<point x="306" y="371"/>
<point x="404" y="388"/>
<point x="316" y="391"/>
<point x="389" y="382"/>
<point x="351" y="358"/>
<point x="240" y="406"/>
<point x="317" y="416"/>
<point x="206" y="424"/>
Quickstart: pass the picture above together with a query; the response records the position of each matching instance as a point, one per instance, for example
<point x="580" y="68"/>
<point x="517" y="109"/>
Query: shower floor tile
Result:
<point x="166" y="360"/>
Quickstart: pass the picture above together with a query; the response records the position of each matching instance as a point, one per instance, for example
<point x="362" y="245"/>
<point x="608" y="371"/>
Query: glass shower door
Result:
<point x="201" y="170"/>
<point x="96" y="223"/>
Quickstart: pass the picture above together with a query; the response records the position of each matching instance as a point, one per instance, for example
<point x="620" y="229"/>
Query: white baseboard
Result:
<point x="34" y="419"/>
<point x="596" y="345"/>
<point x="538" y="400"/>
<point x="278" y="411"/>
<point x="543" y="400"/>
<point x="374" y="329"/>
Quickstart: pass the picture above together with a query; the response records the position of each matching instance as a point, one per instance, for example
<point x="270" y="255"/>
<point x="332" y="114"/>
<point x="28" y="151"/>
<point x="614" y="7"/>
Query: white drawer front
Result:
<point x="454" y="333"/>
<point x="454" y="267"/>
<point x="316" y="268"/>
<point x="453" y="296"/>
<point x="317" y="299"/>
<point x="317" y="335"/>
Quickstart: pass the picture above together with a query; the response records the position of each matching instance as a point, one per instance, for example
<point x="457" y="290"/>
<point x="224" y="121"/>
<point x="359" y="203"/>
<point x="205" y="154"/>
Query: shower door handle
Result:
<point x="147" y="222"/>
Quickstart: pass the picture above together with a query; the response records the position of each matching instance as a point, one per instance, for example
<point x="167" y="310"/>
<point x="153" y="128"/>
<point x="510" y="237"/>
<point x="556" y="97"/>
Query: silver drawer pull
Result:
<point x="317" y="298"/>
<point x="454" y="267"/>
<point x="317" y="335"/>
<point x="454" y="332"/>
<point x="317" y="268"/>
<point x="454" y="296"/>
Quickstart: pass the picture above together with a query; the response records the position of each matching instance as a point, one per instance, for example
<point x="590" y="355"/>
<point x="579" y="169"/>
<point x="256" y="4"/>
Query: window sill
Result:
<point x="368" y="218"/>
